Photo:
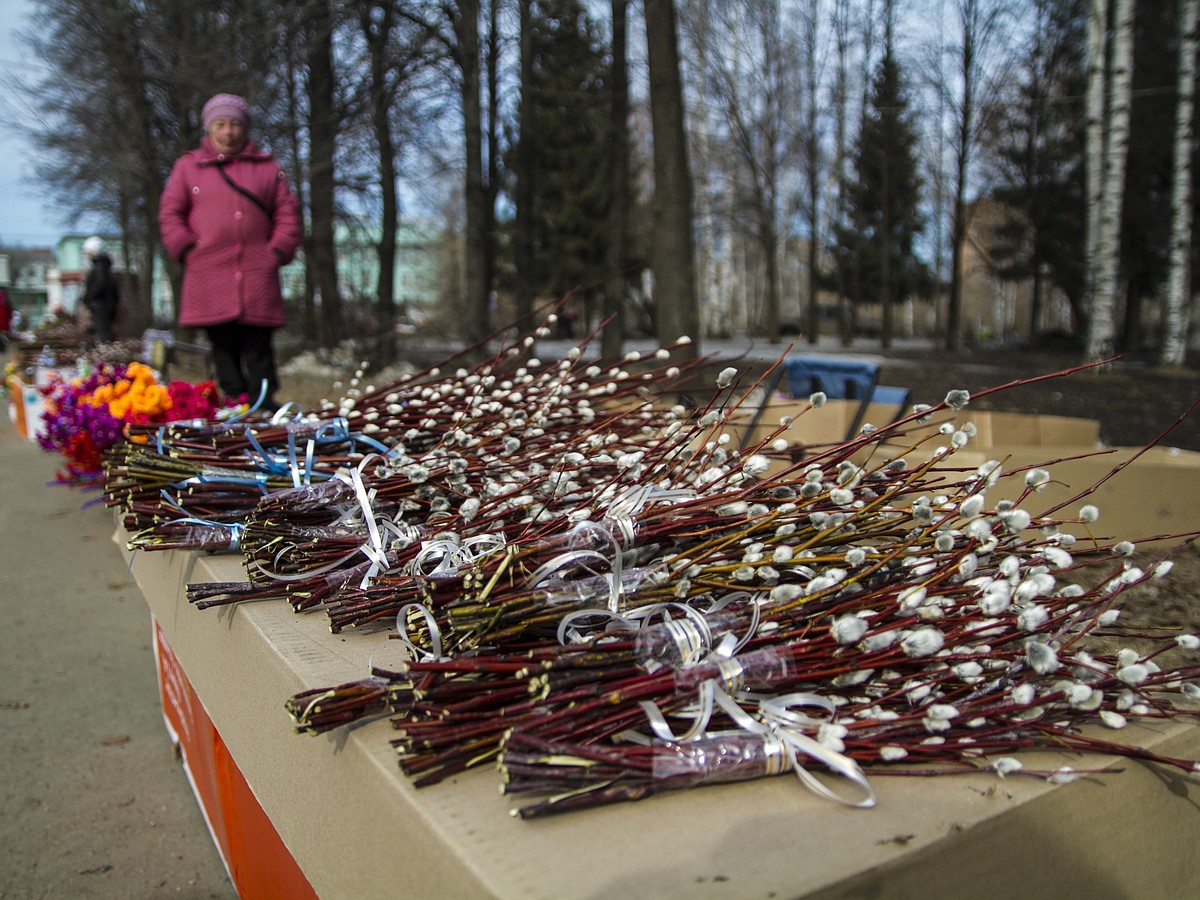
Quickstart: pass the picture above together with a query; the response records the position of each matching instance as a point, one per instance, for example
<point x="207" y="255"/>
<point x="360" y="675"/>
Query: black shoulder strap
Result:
<point x="245" y="193"/>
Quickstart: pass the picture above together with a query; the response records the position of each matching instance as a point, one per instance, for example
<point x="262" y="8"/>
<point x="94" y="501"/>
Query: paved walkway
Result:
<point x="94" y="802"/>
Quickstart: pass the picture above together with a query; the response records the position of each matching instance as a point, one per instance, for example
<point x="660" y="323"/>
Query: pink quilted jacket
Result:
<point x="230" y="247"/>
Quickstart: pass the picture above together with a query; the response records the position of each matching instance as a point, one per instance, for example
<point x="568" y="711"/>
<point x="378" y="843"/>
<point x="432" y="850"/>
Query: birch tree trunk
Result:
<point x="1174" y="344"/>
<point x="968" y="11"/>
<point x="984" y="34"/>
<point x="1101" y="317"/>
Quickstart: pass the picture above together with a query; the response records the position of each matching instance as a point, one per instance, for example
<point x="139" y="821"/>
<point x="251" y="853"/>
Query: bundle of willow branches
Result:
<point x="844" y="610"/>
<point x="598" y="590"/>
<point x="528" y="449"/>
<point x="971" y="641"/>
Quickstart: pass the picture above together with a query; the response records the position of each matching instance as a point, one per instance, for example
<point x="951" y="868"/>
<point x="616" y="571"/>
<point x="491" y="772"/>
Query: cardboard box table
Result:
<point x="334" y="817"/>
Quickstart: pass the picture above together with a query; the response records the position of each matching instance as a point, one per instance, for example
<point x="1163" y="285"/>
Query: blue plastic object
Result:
<point x="893" y="396"/>
<point x="838" y="379"/>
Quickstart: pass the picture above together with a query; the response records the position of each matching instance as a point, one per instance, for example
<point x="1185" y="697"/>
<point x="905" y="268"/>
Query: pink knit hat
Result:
<point x="229" y="105"/>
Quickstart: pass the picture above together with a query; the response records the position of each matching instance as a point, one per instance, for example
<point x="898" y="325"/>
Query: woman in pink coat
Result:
<point x="228" y="215"/>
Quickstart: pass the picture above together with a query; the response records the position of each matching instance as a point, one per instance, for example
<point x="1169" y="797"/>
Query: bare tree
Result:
<point x="810" y="152"/>
<point x="456" y="24"/>
<point x="981" y="26"/>
<point x="1176" y="320"/>
<point x="747" y="61"/>
<point x="839" y="101"/>
<point x="618" y="215"/>
<point x="673" y="260"/>
<point x="322" y="140"/>
<point x="294" y="159"/>
<point x="394" y="55"/>
<point x="886" y="223"/>
<point x="491" y="174"/>
<point x="525" y="168"/>
<point x="937" y="174"/>
<point x="467" y="57"/>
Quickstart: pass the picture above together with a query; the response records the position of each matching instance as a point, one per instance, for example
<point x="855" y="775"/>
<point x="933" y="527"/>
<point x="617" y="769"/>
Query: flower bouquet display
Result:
<point x="85" y="417"/>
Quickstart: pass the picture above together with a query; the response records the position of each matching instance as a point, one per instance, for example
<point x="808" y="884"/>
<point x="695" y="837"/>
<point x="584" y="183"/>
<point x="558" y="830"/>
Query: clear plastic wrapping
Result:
<point x="229" y="475"/>
<point x="596" y="589"/>
<point x="678" y="642"/>
<point x="212" y="538"/>
<point x="598" y="536"/>
<point x="731" y="756"/>
<point x="339" y="577"/>
<point x="760" y="669"/>
<point x="624" y="529"/>
<point x="303" y="429"/>
<point x="307" y="497"/>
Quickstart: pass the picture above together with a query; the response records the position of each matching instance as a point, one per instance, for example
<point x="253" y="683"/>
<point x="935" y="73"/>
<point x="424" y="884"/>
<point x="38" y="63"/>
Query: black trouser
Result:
<point x="103" y="315"/>
<point x="244" y="356"/>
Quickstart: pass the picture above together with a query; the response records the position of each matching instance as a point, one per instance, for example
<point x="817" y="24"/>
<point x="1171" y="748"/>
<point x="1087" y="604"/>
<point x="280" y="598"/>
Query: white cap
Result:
<point x="93" y="246"/>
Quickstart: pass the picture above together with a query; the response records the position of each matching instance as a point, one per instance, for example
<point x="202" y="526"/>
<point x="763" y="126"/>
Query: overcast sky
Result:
<point x="25" y="218"/>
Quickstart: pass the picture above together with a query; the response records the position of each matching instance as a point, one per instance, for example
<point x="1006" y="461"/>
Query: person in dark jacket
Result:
<point x="6" y="317"/>
<point x="228" y="215"/>
<point x="101" y="293"/>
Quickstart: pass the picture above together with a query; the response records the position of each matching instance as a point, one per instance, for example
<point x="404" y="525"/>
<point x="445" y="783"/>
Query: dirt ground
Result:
<point x="1134" y="400"/>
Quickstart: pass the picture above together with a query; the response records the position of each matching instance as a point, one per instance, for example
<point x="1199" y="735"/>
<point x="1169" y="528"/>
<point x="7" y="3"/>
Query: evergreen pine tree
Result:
<point x="567" y="148"/>
<point x="1039" y="160"/>
<point x="883" y="193"/>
